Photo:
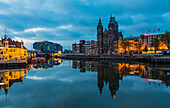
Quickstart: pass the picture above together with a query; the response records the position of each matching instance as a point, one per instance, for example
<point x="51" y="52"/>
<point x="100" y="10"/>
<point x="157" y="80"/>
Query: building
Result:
<point x="81" y="46"/>
<point x="147" y="39"/>
<point x="12" y="50"/>
<point x="107" y="41"/>
<point x="94" y="47"/>
<point x="1" y="52"/>
<point x="142" y="44"/>
<point x="135" y="45"/>
<point x="47" y="47"/>
<point x="85" y="47"/>
<point x="74" y="48"/>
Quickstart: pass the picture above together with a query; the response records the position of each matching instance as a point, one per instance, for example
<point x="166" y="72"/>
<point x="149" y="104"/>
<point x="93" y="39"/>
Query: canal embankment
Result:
<point x="121" y="58"/>
<point x="12" y="64"/>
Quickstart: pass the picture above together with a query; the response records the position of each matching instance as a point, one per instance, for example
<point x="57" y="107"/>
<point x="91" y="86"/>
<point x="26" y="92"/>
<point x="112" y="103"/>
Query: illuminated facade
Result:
<point x="1" y="52"/>
<point x="147" y="42"/>
<point x="135" y="45"/>
<point x="12" y="50"/>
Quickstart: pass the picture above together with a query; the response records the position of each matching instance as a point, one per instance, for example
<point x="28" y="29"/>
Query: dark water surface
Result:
<point x="86" y="84"/>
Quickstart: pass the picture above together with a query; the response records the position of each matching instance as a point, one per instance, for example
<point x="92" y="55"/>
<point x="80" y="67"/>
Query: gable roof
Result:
<point x="11" y="42"/>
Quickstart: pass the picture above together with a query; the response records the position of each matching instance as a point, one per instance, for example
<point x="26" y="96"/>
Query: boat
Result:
<point x="38" y="60"/>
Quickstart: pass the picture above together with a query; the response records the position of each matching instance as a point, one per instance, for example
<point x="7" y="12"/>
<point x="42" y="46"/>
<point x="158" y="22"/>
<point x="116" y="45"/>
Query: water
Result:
<point x="86" y="84"/>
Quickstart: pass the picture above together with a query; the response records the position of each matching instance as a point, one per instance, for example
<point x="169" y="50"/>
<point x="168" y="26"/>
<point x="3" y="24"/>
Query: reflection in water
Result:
<point x="108" y="72"/>
<point x="10" y="76"/>
<point x="50" y="63"/>
<point x="67" y="86"/>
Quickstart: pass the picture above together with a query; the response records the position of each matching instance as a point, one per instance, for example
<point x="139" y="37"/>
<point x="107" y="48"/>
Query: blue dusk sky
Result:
<point x="68" y="21"/>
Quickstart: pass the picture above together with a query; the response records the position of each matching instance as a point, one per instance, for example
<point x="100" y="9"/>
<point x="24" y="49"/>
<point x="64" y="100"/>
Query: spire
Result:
<point x="100" y="26"/>
<point x="100" y="21"/>
<point x="111" y="18"/>
<point x="5" y="36"/>
<point x="5" y="31"/>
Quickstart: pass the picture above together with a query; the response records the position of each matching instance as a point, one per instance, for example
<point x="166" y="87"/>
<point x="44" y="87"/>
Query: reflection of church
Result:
<point x="110" y="73"/>
<point x="10" y="76"/>
<point x="107" y="73"/>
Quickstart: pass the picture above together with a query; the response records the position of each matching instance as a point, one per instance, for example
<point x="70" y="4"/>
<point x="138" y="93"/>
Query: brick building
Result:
<point x="147" y="39"/>
<point x="107" y="41"/>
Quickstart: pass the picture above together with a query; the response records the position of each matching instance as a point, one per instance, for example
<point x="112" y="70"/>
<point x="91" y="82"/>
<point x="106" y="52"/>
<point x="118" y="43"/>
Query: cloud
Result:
<point x="64" y="27"/>
<point x="7" y="1"/>
<point x="167" y="16"/>
<point x="72" y="20"/>
<point x="37" y="29"/>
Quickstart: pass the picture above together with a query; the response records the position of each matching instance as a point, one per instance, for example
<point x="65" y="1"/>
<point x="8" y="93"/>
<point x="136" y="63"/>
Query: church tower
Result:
<point x="111" y="25"/>
<point x="6" y="46"/>
<point x="107" y="41"/>
<point x="115" y="26"/>
<point x="100" y="37"/>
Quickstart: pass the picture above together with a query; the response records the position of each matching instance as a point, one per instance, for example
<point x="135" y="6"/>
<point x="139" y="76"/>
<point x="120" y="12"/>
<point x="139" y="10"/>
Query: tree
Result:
<point x="125" y="44"/>
<point x="155" y="43"/>
<point x="139" y="45"/>
<point x="146" y="48"/>
<point x="166" y="39"/>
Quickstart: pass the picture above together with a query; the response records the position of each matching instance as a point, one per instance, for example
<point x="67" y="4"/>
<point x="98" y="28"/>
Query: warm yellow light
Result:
<point x="59" y="52"/>
<point x="131" y="73"/>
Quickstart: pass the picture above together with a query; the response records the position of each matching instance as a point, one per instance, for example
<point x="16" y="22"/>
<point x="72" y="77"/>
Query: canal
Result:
<point x="85" y="84"/>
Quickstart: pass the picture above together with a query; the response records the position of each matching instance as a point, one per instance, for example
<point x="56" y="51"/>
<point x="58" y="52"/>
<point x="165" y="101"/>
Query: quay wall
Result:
<point x="150" y="59"/>
<point x="12" y="64"/>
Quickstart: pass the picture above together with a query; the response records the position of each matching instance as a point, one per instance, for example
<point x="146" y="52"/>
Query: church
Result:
<point x="107" y="40"/>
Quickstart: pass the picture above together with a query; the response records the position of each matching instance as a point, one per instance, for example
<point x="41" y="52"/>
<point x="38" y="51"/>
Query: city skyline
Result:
<point x="66" y="22"/>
